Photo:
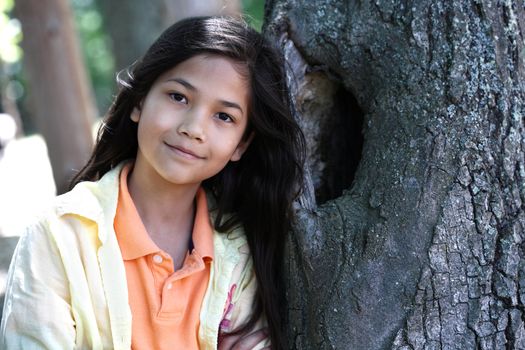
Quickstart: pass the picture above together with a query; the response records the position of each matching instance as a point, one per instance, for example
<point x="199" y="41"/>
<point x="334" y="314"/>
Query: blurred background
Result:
<point x="58" y="63"/>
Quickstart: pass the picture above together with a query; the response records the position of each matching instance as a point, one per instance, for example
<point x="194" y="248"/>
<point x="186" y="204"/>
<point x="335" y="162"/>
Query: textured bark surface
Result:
<point x="425" y="248"/>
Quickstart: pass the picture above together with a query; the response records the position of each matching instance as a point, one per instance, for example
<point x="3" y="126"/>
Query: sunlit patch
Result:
<point x="26" y="183"/>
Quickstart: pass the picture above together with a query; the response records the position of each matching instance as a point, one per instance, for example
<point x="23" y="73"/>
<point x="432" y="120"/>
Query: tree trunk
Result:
<point x="62" y="103"/>
<point x="425" y="248"/>
<point x="134" y="24"/>
<point x="180" y="9"/>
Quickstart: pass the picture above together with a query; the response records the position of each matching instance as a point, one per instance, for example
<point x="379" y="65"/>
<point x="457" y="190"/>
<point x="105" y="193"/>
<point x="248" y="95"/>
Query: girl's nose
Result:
<point x="192" y="126"/>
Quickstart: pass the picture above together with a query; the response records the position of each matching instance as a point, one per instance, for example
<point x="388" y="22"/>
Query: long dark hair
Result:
<point x="258" y="189"/>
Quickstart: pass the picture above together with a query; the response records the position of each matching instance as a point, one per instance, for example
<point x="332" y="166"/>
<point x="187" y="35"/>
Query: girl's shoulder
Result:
<point x="88" y="202"/>
<point x="91" y="198"/>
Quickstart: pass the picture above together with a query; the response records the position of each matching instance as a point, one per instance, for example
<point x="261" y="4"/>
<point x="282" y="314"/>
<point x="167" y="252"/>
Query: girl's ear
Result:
<point x="241" y="148"/>
<point x="135" y="115"/>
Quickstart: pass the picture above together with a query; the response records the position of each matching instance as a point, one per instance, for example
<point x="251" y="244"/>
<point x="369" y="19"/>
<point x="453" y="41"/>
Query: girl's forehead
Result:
<point x="202" y="71"/>
<point x="210" y="62"/>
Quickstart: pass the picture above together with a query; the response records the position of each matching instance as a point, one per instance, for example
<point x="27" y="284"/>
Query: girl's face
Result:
<point x="192" y="121"/>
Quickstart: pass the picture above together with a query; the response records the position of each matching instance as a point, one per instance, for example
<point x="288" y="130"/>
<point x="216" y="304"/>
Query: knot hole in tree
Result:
<point x="332" y="122"/>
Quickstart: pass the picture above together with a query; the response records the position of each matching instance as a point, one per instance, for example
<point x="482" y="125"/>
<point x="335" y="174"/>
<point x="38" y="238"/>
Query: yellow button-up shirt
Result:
<point x="67" y="289"/>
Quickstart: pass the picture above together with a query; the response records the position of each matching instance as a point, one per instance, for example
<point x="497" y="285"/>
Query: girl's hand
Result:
<point x="243" y="342"/>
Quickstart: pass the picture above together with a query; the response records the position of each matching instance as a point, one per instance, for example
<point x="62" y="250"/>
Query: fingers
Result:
<point x="246" y="342"/>
<point x="228" y="341"/>
<point x="249" y="341"/>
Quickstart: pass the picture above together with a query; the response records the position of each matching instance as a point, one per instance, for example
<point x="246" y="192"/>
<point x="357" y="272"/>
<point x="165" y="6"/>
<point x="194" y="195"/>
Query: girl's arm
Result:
<point x="37" y="310"/>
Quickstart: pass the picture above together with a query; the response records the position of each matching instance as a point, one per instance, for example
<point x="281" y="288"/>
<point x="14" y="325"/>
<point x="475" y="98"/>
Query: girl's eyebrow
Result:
<point x="187" y="85"/>
<point x="184" y="83"/>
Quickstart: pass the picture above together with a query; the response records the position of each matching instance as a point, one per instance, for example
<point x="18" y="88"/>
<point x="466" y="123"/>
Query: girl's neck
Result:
<point x="167" y="210"/>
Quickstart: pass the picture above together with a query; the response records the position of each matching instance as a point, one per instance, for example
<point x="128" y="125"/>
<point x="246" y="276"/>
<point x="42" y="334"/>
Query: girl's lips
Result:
<point x="186" y="153"/>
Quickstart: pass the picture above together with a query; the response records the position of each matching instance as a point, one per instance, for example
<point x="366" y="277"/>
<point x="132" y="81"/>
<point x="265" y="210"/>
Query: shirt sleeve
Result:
<point x="37" y="308"/>
<point x="241" y="300"/>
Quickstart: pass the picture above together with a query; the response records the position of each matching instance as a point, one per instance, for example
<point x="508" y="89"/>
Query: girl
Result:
<point x="172" y="237"/>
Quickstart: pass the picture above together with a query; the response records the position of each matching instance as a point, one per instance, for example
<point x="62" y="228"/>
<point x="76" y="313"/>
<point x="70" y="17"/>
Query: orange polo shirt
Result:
<point x="165" y="304"/>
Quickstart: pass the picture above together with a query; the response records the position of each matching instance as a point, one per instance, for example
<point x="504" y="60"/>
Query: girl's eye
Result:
<point x="225" y="117"/>
<point x="178" y="97"/>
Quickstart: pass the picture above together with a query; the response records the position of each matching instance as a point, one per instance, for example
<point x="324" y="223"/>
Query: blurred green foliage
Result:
<point x="12" y="82"/>
<point x="96" y="49"/>
<point x="10" y="34"/>
<point x="254" y="12"/>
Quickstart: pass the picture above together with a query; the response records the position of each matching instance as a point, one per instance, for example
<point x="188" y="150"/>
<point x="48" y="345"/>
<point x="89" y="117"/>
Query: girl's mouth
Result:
<point x="184" y="152"/>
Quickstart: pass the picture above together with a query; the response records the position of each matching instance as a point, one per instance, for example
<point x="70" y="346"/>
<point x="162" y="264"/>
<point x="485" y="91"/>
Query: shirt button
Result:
<point x="170" y="286"/>
<point x="157" y="259"/>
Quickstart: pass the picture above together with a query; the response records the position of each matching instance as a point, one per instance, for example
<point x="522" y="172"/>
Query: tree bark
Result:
<point x="62" y="103"/>
<point x="421" y="244"/>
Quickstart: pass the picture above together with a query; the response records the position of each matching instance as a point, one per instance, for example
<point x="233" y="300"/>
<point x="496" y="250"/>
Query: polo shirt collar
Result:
<point x="132" y="236"/>
<point x="202" y="234"/>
